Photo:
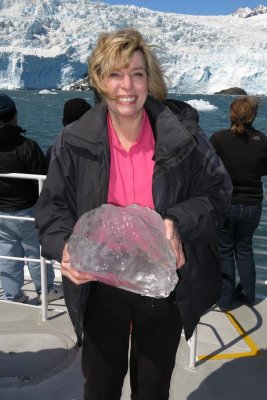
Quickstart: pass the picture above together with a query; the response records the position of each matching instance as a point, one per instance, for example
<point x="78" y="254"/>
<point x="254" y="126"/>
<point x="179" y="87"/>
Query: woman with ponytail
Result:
<point x="243" y="150"/>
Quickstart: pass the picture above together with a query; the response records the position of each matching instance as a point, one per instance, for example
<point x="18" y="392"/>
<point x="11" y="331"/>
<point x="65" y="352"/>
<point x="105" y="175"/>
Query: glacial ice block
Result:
<point x="125" y="247"/>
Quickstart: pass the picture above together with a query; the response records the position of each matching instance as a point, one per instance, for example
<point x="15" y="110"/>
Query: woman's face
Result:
<point x="129" y="86"/>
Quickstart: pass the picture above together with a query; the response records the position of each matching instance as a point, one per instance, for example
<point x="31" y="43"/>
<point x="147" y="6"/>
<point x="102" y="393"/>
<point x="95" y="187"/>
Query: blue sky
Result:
<point x="193" y="7"/>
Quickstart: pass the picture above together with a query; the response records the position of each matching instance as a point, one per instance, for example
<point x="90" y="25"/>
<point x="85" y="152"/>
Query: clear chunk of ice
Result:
<point x="125" y="247"/>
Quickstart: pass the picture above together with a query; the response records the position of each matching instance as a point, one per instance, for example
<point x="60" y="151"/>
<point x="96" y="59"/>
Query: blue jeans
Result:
<point x="235" y="245"/>
<point x="19" y="238"/>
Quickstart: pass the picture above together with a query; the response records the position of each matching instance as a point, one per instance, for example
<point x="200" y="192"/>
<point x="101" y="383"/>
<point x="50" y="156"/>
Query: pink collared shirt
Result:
<point x="131" y="172"/>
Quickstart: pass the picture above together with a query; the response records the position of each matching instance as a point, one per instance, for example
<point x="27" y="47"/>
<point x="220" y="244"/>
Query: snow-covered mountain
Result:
<point x="46" y="44"/>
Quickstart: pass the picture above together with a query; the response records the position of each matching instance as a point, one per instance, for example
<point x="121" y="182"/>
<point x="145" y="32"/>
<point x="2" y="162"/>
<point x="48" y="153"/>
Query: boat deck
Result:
<point x="38" y="360"/>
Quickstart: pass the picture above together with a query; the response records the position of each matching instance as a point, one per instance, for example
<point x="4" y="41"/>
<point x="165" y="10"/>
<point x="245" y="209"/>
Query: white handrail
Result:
<point x="19" y="175"/>
<point x="42" y="260"/>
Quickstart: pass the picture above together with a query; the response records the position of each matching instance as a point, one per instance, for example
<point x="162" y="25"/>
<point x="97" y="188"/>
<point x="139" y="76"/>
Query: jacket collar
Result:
<point x="88" y="131"/>
<point x="171" y="136"/>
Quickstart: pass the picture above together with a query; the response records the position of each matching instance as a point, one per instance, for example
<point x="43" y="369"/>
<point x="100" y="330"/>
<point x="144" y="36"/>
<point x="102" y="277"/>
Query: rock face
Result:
<point x="233" y="91"/>
<point x="125" y="247"/>
<point x="81" y="84"/>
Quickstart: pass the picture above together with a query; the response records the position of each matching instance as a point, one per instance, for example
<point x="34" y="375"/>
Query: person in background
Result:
<point x="73" y="110"/>
<point x="131" y="148"/>
<point x="19" y="238"/>
<point x="243" y="150"/>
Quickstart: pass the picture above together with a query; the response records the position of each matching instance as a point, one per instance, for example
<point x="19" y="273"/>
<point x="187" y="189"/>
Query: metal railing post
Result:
<point x="44" y="294"/>
<point x="193" y="349"/>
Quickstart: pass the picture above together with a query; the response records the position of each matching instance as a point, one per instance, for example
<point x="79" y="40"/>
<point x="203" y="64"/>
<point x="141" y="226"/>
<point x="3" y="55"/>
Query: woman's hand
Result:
<point x="71" y="273"/>
<point x="175" y="242"/>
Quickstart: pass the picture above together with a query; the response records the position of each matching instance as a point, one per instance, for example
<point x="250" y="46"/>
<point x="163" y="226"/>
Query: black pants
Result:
<point x="155" y="326"/>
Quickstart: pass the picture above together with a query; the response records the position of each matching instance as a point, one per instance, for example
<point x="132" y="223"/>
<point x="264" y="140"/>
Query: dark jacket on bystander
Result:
<point x="21" y="155"/>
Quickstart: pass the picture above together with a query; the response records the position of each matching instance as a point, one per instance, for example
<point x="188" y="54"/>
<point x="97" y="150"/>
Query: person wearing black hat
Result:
<point x="73" y="110"/>
<point x="8" y="109"/>
<point x="19" y="238"/>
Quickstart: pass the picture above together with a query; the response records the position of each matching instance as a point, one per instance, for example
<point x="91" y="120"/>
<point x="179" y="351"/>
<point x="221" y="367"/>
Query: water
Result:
<point x="41" y="116"/>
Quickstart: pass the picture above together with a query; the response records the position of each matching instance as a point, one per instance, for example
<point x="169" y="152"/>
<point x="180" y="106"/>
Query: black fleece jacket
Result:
<point x="190" y="186"/>
<point x="22" y="155"/>
<point x="245" y="158"/>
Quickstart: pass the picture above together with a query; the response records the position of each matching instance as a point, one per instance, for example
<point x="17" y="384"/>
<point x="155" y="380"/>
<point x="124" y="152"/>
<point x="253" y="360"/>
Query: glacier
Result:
<point x="46" y="44"/>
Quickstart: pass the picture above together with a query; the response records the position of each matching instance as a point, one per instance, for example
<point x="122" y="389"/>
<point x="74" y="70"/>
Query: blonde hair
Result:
<point x="114" y="51"/>
<point x="243" y="112"/>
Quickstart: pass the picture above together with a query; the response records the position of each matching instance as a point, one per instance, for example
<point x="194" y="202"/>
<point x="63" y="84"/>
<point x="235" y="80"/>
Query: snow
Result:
<point x="202" y="105"/>
<point x="46" y="44"/>
<point x="46" y="91"/>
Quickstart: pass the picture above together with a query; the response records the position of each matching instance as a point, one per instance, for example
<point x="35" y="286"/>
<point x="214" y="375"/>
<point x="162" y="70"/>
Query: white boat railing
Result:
<point x="43" y="262"/>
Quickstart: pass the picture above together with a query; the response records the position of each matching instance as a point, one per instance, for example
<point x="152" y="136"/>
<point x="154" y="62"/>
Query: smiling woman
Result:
<point x="128" y="90"/>
<point x="114" y="52"/>
<point x="123" y="69"/>
<point x="131" y="148"/>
